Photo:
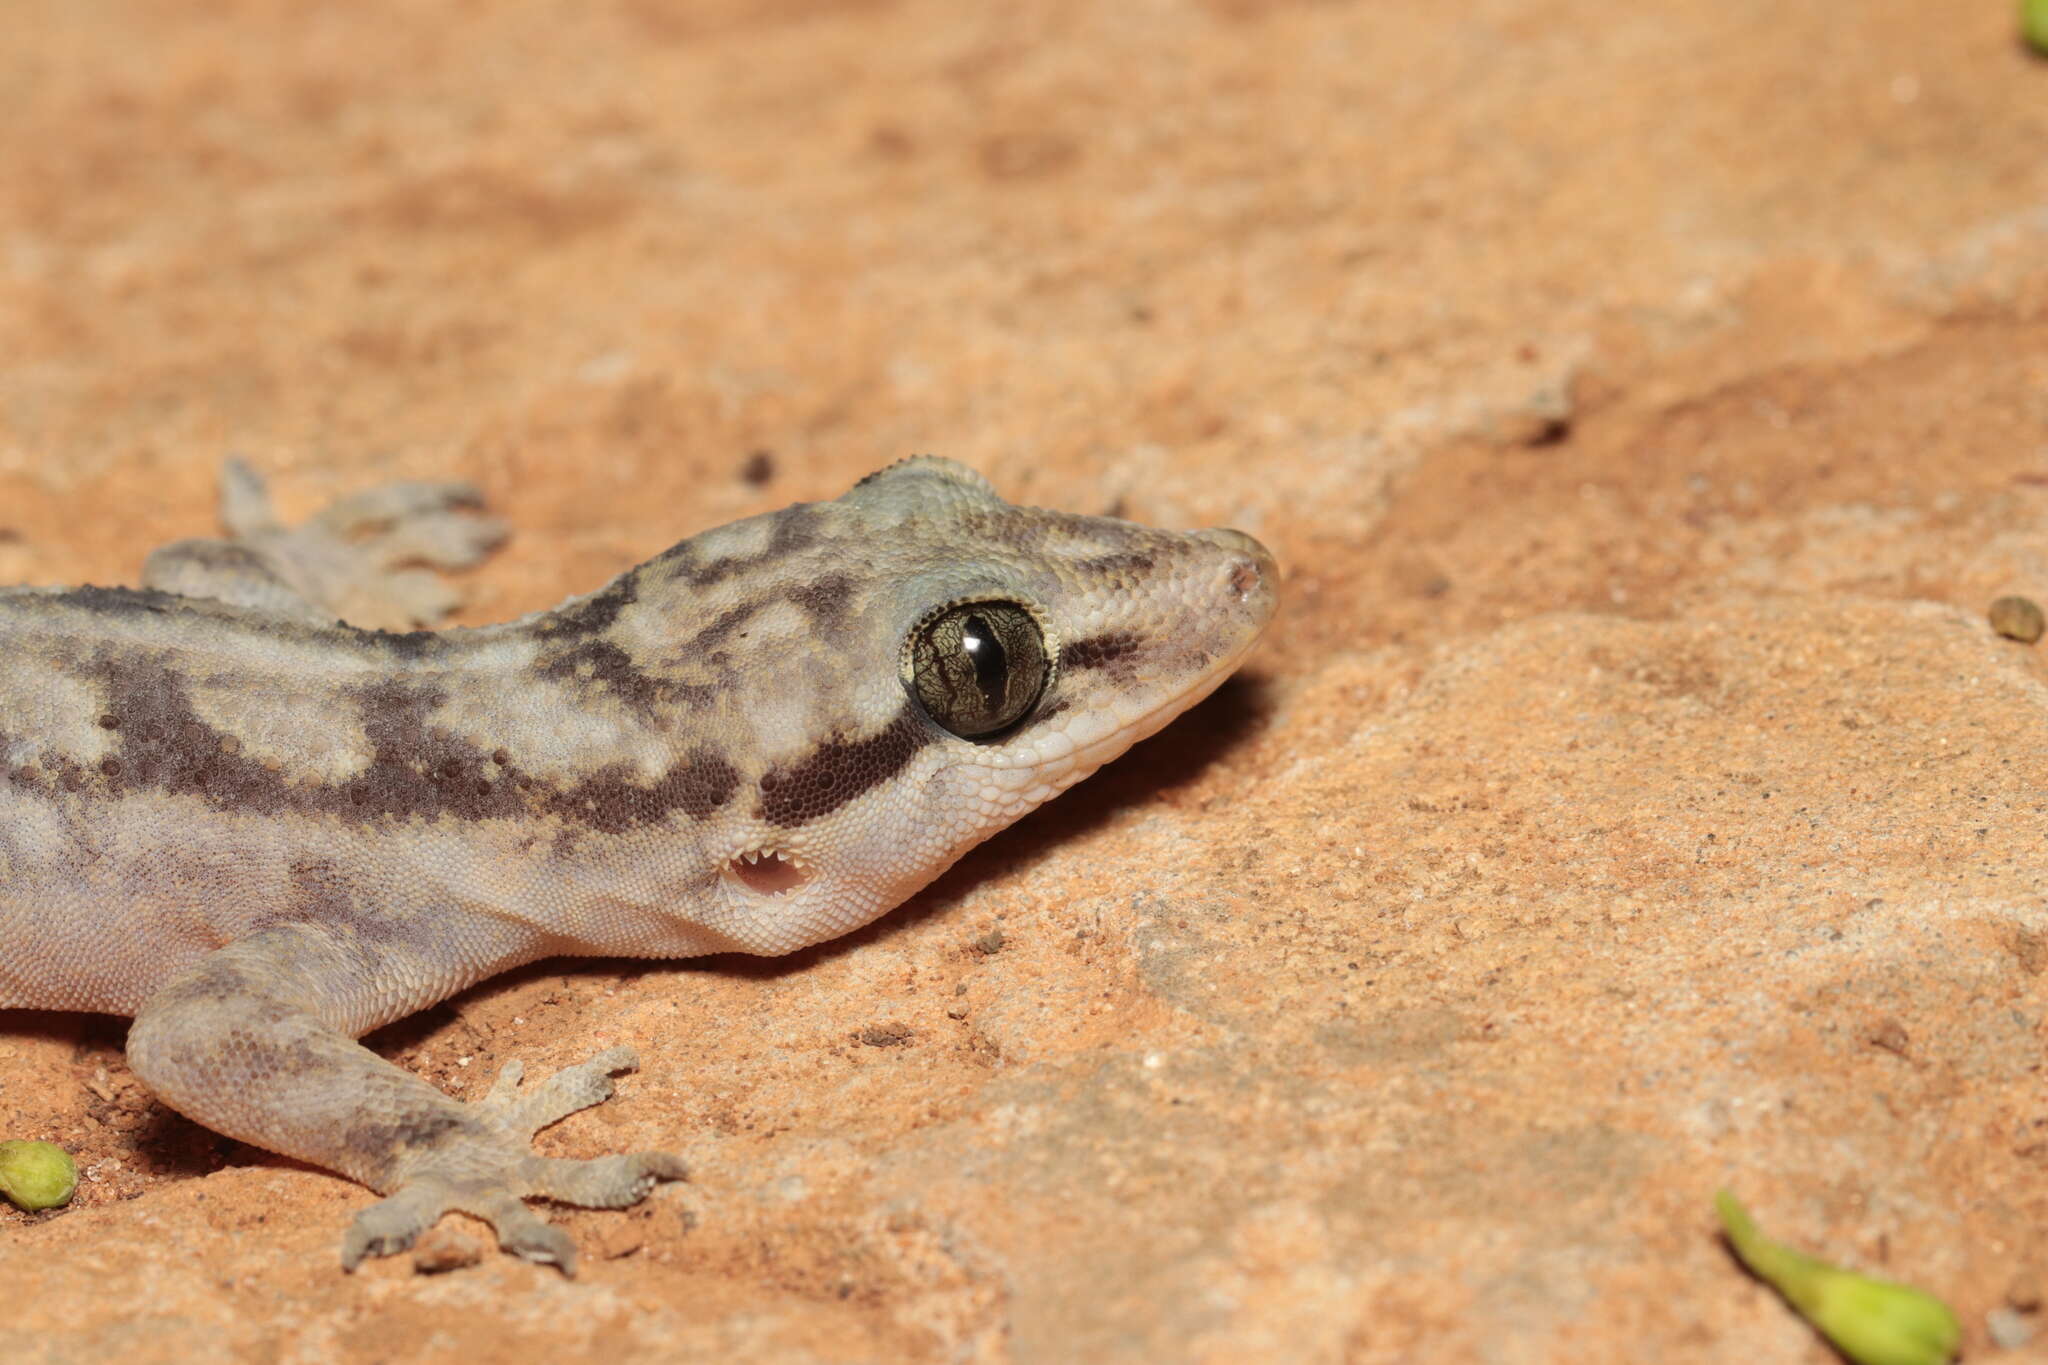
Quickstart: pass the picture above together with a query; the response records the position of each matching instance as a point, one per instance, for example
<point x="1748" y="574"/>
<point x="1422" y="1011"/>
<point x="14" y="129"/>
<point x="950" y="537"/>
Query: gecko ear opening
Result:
<point x="768" y="871"/>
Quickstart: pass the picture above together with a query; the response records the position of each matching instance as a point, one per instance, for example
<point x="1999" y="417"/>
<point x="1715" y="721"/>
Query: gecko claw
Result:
<point x="390" y="1225"/>
<point x="531" y="1238"/>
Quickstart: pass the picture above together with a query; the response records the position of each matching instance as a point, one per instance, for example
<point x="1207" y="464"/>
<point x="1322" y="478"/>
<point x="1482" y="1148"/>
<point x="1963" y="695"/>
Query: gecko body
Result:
<point x="262" y="832"/>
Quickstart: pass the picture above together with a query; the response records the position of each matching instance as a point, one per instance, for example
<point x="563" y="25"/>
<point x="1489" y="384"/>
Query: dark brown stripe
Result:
<point x="1126" y="564"/>
<point x="1099" y="651"/>
<point x="610" y="669"/>
<point x="417" y="770"/>
<point x="715" y="634"/>
<point x="401" y="644"/>
<point x="826" y="599"/>
<point x="165" y="746"/>
<point x="839" y="770"/>
<point x="610" y="802"/>
<point x="795" y="529"/>
<point x="120" y="601"/>
<point x="594" y="613"/>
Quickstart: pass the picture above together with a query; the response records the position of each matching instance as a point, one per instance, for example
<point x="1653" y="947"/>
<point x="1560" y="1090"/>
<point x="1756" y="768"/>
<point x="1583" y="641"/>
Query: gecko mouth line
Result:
<point x="768" y="871"/>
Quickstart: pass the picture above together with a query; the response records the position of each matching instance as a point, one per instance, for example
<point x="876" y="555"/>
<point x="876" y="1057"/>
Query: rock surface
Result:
<point x="1630" y="800"/>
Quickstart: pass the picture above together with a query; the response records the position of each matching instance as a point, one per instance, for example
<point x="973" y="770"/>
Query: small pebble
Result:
<point x="1890" y="1035"/>
<point x="2017" y="618"/>
<point x="621" y="1237"/>
<point x="443" y="1248"/>
<point x="891" y="1034"/>
<point x="2008" y="1328"/>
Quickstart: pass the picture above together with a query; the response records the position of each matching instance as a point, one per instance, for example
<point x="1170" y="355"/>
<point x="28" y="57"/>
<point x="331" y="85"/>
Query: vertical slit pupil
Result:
<point x="991" y="662"/>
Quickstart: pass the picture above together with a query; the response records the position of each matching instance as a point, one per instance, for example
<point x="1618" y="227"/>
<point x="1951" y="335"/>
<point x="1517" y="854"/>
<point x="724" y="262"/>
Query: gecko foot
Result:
<point x="486" y="1171"/>
<point x="371" y="559"/>
<point x="370" y="556"/>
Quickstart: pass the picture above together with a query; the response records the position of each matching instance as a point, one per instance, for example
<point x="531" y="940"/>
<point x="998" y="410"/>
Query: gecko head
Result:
<point x="924" y="663"/>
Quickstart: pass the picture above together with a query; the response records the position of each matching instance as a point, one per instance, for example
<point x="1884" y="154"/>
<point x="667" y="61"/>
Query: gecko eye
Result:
<point x="978" y="667"/>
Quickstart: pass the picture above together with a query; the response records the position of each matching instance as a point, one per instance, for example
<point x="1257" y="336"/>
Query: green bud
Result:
<point x="2034" y="24"/>
<point x="36" y="1175"/>
<point x="1873" y="1322"/>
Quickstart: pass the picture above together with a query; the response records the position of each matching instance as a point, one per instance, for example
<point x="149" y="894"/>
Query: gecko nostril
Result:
<point x="768" y="872"/>
<point x="1249" y="575"/>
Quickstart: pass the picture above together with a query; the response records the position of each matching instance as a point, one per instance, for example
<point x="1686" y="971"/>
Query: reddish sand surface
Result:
<point x="1629" y="800"/>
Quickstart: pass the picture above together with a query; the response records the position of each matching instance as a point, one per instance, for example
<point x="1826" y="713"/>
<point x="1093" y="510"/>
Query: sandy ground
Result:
<point x="1645" y="402"/>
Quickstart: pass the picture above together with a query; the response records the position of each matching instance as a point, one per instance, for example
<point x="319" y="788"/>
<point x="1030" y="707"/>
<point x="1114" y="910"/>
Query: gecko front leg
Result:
<point x="256" y="1042"/>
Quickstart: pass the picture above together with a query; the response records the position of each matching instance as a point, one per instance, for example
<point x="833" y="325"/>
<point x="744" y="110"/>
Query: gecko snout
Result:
<point x="1253" y="574"/>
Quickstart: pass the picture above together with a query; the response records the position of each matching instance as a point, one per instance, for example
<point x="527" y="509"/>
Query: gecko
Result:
<point x="249" y="808"/>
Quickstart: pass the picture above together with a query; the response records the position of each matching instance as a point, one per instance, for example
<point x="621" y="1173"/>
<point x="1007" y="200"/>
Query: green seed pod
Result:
<point x="36" y="1175"/>
<point x="1872" y="1322"/>
<point x="2034" y="24"/>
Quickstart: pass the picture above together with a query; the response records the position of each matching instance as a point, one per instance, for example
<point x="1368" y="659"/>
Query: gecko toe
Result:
<point x="528" y="1237"/>
<point x="391" y="1225"/>
<point x="375" y="509"/>
<point x="441" y="524"/>
<point x="606" y="1182"/>
<point x="568" y="1090"/>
